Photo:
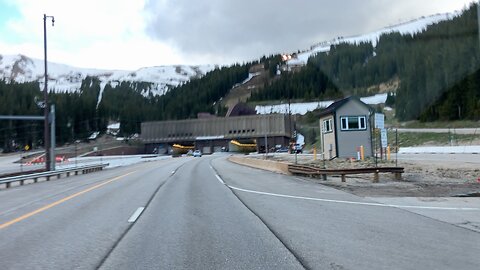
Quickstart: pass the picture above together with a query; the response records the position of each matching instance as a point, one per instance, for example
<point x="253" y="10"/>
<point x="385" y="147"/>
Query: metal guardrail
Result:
<point x="315" y="171"/>
<point x="47" y="175"/>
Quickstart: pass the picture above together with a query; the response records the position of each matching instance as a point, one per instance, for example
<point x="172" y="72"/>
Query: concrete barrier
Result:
<point x="267" y="165"/>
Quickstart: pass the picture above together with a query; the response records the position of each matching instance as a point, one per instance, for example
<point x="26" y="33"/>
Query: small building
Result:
<point x="345" y="127"/>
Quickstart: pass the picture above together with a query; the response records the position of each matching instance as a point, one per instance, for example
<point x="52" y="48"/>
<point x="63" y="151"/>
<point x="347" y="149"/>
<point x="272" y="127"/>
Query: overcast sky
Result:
<point x="128" y="34"/>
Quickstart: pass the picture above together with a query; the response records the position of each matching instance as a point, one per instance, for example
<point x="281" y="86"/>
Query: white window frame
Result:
<point x="362" y="119"/>
<point x="327" y="125"/>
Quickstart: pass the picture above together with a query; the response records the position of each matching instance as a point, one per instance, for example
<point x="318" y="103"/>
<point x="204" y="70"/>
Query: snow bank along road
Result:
<point x="471" y="131"/>
<point x="207" y="213"/>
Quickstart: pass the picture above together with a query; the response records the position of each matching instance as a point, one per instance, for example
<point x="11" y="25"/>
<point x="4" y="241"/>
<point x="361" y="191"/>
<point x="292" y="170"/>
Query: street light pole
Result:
<point x="45" y="97"/>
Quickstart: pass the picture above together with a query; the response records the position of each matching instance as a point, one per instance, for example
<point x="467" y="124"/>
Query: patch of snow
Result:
<point x="114" y="126"/>
<point x="295" y="108"/>
<point x="303" y="108"/>
<point x="375" y="100"/>
<point x="388" y="109"/>
<point x="468" y="149"/>
<point x="94" y="135"/>
<point x="251" y="76"/>
<point x="113" y="161"/>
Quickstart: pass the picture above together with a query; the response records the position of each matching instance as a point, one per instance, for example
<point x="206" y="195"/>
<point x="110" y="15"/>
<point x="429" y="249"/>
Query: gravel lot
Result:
<point x="426" y="175"/>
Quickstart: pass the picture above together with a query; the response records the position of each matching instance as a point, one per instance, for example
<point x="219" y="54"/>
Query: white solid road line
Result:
<point x="135" y="215"/>
<point x="355" y="203"/>
<point x="220" y="179"/>
<point x="217" y="176"/>
<point x="344" y="202"/>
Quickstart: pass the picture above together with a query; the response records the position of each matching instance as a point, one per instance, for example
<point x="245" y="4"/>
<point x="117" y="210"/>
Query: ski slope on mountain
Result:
<point x="64" y="78"/>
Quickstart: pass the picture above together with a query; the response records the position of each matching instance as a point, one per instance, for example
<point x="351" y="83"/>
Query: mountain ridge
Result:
<point x="410" y="27"/>
<point x="64" y="78"/>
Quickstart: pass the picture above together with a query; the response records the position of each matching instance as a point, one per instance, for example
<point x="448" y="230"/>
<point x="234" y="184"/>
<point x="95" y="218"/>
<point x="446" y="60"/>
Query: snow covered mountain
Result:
<point x="64" y="78"/>
<point x="411" y="27"/>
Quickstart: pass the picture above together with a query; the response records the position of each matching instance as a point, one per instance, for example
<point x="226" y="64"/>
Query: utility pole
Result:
<point x="46" y="112"/>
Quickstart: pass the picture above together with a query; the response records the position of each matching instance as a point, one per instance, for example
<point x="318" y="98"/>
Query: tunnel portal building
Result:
<point x="214" y="134"/>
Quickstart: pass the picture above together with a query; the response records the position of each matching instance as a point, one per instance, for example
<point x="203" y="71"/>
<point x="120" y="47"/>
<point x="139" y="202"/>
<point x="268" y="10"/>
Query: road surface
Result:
<point x="207" y="213"/>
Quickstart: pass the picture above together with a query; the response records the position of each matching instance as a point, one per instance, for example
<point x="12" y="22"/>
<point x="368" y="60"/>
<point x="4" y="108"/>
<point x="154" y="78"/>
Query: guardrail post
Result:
<point x="343" y="178"/>
<point x="398" y="176"/>
<point x="21" y="182"/>
<point x="324" y="177"/>
<point x="35" y="180"/>
<point x="48" y="178"/>
<point x="59" y="175"/>
<point x="7" y="185"/>
<point x="376" y="177"/>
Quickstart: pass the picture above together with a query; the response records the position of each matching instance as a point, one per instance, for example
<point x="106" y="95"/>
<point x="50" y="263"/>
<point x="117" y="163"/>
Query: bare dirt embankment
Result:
<point x="442" y="177"/>
<point x="241" y="92"/>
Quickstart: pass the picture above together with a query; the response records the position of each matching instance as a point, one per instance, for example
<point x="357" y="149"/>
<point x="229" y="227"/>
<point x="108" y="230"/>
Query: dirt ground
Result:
<point x="443" y="177"/>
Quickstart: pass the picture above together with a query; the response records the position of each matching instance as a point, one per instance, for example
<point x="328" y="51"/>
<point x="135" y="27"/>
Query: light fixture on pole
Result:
<point x="48" y="158"/>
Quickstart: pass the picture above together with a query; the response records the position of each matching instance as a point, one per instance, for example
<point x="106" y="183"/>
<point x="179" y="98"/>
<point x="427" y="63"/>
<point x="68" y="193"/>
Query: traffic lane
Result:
<point x="80" y="232"/>
<point x="36" y="194"/>
<point x="327" y="234"/>
<point x="99" y="219"/>
<point x="195" y="222"/>
<point x="23" y="199"/>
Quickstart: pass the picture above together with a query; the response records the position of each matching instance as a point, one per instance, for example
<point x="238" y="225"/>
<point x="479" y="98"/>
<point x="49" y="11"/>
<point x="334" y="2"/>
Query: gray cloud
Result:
<point x="224" y="31"/>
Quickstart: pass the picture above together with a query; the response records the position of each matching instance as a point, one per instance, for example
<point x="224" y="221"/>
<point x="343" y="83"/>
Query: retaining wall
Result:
<point x="268" y="165"/>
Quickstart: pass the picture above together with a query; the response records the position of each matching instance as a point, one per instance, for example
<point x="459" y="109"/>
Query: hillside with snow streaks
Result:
<point x="64" y="78"/>
<point x="411" y="27"/>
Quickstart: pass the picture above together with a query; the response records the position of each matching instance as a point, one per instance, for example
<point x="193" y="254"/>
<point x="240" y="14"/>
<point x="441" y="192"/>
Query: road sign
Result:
<point x="383" y="137"/>
<point x="379" y="120"/>
<point x="27" y="147"/>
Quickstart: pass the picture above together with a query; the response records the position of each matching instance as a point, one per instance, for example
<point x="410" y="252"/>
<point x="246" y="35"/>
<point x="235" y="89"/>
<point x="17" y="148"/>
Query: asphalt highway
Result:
<point x="207" y="213"/>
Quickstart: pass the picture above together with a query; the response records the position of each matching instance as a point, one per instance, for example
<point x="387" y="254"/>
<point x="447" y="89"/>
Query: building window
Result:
<point x="353" y="122"/>
<point x="327" y="126"/>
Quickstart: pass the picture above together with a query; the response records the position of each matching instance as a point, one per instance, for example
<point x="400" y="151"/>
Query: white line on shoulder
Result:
<point x="220" y="179"/>
<point x="354" y="203"/>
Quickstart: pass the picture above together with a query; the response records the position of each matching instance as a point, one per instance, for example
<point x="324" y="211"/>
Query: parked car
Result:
<point x="197" y="153"/>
